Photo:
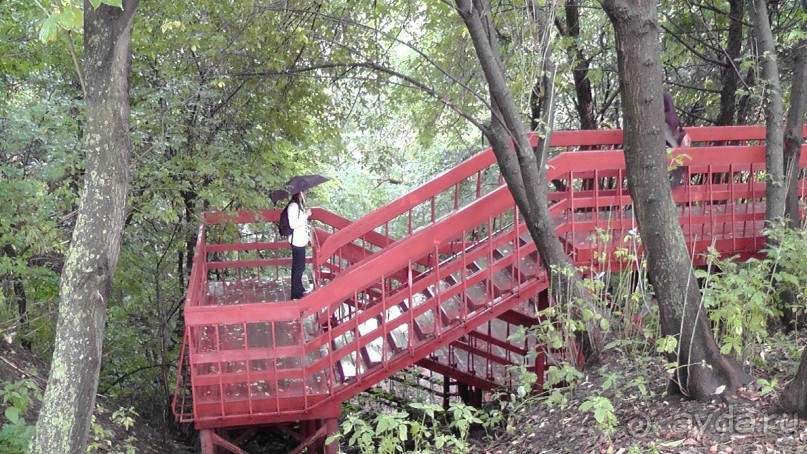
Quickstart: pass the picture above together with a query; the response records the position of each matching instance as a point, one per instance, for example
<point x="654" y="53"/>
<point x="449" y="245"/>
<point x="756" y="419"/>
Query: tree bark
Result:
<point x="65" y="417"/>
<point x="525" y="169"/>
<point x="731" y="76"/>
<point x="775" y="189"/>
<point x="795" y="127"/>
<point x="702" y="371"/>
<point x="582" y="85"/>
<point x="794" y="396"/>
<point x="19" y="297"/>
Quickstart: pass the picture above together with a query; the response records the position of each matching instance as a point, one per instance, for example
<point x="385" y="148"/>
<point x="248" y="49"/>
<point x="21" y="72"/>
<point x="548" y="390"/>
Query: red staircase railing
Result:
<point x="461" y="276"/>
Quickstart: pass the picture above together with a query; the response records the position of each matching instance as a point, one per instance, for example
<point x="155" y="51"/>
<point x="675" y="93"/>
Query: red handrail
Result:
<point x="581" y="209"/>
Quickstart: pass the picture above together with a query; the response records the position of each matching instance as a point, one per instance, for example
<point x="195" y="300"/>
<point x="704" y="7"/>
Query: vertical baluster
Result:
<point x="490" y="261"/>
<point x="438" y="316"/>
<point x="732" y="205"/>
<point x="275" y="365"/>
<point x="411" y="341"/>
<point x="572" y="215"/>
<point x="220" y="370"/>
<point x="385" y="334"/>
<point x="353" y="314"/>
<point x="464" y="283"/>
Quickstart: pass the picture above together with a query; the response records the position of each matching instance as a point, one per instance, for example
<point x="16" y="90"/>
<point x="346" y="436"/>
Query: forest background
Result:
<point x="230" y="99"/>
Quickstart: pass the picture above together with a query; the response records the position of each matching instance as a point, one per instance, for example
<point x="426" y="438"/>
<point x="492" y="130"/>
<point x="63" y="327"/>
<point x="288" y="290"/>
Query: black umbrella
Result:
<point x="296" y="184"/>
<point x="301" y="183"/>
<point x="278" y="194"/>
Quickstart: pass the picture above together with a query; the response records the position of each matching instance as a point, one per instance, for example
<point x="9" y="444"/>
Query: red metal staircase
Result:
<point x="439" y="278"/>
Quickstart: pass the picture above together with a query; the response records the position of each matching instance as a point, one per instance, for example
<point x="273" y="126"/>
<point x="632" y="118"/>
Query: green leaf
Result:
<point x="50" y="29"/>
<point x="116" y="3"/>
<point x="13" y="415"/>
<point x="71" y="18"/>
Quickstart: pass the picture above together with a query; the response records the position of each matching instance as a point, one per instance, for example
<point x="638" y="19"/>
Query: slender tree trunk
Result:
<point x="524" y="170"/>
<point x="19" y="297"/>
<point x="731" y="76"/>
<point x="775" y="189"/>
<point x="22" y="310"/>
<point x="64" y="420"/>
<point x="582" y="85"/>
<point x="702" y="371"/>
<point x="746" y="105"/>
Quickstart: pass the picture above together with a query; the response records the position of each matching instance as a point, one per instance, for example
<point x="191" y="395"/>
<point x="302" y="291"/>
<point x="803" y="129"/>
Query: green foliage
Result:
<point x="104" y="440"/>
<point x="767" y="386"/>
<point x="68" y="17"/>
<point x="424" y="431"/>
<point x="603" y="413"/>
<point x="667" y="344"/>
<point x="789" y="260"/>
<point x="744" y="299"/>
<point x="223" y="110"/>
<point x="17" y="397"/>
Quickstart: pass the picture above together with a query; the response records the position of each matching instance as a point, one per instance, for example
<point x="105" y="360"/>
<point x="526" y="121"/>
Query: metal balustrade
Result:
<point x="440" y="278"/>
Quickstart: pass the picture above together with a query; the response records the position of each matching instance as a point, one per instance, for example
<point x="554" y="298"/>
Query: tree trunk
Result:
<point x="64" y="420"/>
<point x="19" y="298"/>
<point x="795" y="127"/>
<point x="524" y="170"/>
<point x="702" y="371"/>
<point x="794" y="396"/>
<point x="731" y="76"/>
<point x="582" y="85"/>
<point x="775" y="189"/>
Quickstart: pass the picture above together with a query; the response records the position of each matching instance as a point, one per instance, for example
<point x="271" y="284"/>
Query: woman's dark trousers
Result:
<point x="297" y="269"/>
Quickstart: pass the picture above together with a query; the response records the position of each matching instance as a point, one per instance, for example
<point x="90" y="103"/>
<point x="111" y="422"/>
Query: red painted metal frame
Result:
<point x="402" y="299"/>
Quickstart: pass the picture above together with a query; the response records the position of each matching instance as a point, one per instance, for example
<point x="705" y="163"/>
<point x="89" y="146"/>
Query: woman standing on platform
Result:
<point x="298" y="221"/>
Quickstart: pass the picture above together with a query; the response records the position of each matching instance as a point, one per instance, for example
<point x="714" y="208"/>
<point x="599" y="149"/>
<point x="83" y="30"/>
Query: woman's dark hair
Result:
<point x="297" y="198"/>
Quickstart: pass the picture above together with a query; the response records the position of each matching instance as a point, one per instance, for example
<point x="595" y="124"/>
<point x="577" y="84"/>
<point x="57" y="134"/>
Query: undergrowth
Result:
<point x="743" y="301"/>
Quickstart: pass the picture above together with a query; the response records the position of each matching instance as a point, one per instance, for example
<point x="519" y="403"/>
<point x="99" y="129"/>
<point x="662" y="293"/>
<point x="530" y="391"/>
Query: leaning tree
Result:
<point x="702" y="371"/>
<point x="64" y="420"/>
<point x="524" y="168"/>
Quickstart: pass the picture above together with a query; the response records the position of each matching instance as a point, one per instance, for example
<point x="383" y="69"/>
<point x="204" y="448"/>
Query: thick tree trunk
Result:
<point x="64" y="420"/>
<point x="702" y="371"/>
<point x="795" y="127"/>
<point x="524" y="170"/>
<point x="794" y="396"/>
<point x="775" y="189"/>
<point x="731" y="76"/>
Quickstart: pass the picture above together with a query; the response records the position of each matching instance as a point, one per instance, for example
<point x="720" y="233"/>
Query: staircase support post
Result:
<point x="331" y="427"/>
<point x="206" y="439"/>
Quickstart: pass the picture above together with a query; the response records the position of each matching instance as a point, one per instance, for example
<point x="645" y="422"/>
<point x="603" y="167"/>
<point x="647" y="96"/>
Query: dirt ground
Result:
<point x="647" y="422"/>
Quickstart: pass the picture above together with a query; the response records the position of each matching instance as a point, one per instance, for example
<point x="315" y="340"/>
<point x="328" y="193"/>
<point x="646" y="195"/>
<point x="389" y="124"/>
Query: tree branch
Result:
<point x="374" y="67"/>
